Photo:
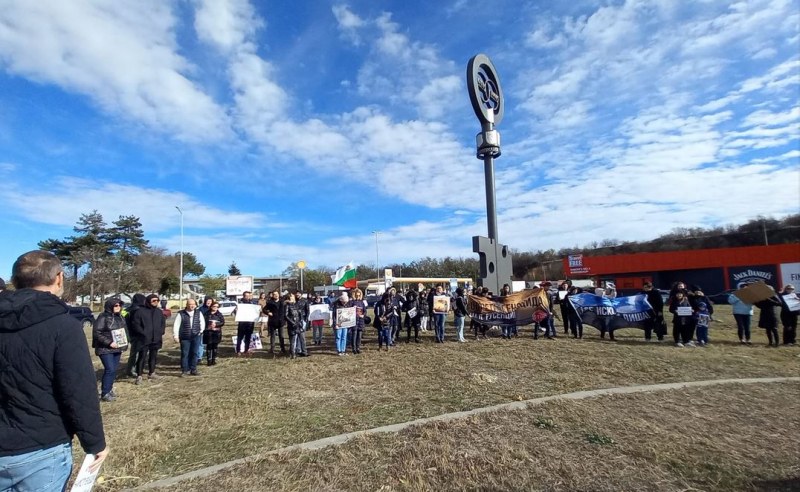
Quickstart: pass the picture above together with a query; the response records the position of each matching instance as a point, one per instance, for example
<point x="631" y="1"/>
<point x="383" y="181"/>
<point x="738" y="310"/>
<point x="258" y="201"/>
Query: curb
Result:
<point x="447" y="417"/>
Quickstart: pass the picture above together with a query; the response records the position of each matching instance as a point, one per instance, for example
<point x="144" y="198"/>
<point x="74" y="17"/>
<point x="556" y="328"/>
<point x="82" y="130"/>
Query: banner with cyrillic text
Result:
<point x="610" y="314"/>
<point x="517" y="309"/>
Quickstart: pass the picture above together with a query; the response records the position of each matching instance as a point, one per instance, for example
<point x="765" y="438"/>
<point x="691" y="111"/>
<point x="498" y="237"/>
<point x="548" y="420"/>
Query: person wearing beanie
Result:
<point x="341" y="333"/>
<point x="788" y="317"/>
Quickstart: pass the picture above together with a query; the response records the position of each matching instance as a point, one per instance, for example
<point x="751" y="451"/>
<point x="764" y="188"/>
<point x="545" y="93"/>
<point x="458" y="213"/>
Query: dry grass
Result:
<point x="722" y="438"/>
<point x="242" y="407"/>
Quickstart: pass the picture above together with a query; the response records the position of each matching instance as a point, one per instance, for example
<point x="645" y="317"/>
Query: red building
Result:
<point x="714" y="270"/>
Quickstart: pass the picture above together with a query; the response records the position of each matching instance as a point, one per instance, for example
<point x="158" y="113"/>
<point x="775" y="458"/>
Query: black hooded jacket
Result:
<point x="48" y="390"/>
<point x="105" y="323"/>
<point x="147" y="323"/>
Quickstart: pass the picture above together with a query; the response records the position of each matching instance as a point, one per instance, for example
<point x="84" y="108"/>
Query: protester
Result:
<point x="742" y="312"/>
<point x="394" y="315"/>
<point x="788" y="317"/>
<point x="413" y="315"/>
<point x="702" y="317"/>
<point x="696" y="296"/>
<point x="244" y="329"/>
<point x="46" y="379"/>
<point x="382" y="322"/>
<point x="275" y="312"/>
<point x="137" y="303"/>
<point x="460" y="313"/>
<point x="318" y="324"/>
<point x="212" y="335"/>
<point x="204" y="311"/>
<point x="294" y="327"/>
<point x="563" y="303"/>
<point x="188" y="331"/>
<point x="655" y="324"/>
<point x="440" y="310"/>
<point x="682" y="320"/>
<point x="148" y="325"/>
<point x="262" y="299"/>
<point x="302" y="306"/>
<point x="424" y="309"/>
<point x="361" y="311"/>
<point x="340" y="332"/>
<point x="767" y="318"/>
<point x="573" y="318"/>
<point x="106" y="347"/>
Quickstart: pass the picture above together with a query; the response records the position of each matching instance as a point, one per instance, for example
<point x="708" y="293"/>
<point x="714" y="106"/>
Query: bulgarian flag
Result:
<point x="345" y="276"/>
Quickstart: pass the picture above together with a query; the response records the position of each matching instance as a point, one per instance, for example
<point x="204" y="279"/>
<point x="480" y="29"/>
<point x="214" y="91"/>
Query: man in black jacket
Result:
<point x="657" y="322"/>
<point x="137" y="303"/>
<point x="48" y="390"/>
<point x="275" y="324"/>
<point x="147" y="327"/>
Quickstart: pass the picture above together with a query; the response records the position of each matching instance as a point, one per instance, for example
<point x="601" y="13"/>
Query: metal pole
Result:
<point x="491" y="202"/>
<point x="301" y="280"/>
<point x="377" y="259"/>
<point x="180" y="288"/>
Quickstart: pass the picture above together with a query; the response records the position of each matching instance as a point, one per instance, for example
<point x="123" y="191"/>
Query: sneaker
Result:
<point x="194" y="373"/>
<point x="107" y="397"/>
<point x="741" y="340"/>
<point x="113" y="393"/>
<point x="153" y="376"/>
<point x="183" y="374"/>
<point x="138" y="380"/>
<point x="690" y="344"/>
<point x="679" y="344"/>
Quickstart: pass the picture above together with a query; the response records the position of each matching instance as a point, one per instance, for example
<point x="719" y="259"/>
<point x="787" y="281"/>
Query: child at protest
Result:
<point x="682" y="320"/>
<point x="702" y="317"/>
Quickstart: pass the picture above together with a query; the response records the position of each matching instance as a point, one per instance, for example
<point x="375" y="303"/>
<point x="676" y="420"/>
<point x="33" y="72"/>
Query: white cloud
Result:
<point x="226" y="24"/>
<point x="346" y="19"/>
<point x="121" y="55"/>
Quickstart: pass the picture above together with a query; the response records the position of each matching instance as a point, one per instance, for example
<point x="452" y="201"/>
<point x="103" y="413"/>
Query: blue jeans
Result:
<point x="743" y="326"/>
<point x="458" y="322"/>
<point x="201" y="349"/>
<point x="341" y="340"/>
<point x="702" y="334"/>
<point x="438" y="319"/>
<point x="189" y="354"/>
<point x="110" y="363"/>
<point x="44" y="470"/>
<point x="385" y="337"/>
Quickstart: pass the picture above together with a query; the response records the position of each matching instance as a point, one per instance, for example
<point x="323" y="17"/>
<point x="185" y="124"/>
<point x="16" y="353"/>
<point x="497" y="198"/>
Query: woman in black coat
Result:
<point x="109" y="341"/>
<point x="768" y="320"/>
<point x="212" y="335"/>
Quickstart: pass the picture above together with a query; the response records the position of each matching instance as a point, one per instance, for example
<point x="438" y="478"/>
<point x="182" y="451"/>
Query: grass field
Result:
<point x="242" y="407"/>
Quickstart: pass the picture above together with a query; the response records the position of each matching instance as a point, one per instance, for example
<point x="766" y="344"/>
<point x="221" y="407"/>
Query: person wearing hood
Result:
<point x="460" y="313"/>
<point x="148" y="325"/>
<point x="341" y="333"/>
<point x="188" y="330"/>
<point x="108" y="343"/>
<point x="137" y="302"/>
<point x="47" y="382"/>
<point x="788" y="317"/>
<point x="213" y="332"/>
<point x="767" y="318"/>
<point x="413" y="312"/>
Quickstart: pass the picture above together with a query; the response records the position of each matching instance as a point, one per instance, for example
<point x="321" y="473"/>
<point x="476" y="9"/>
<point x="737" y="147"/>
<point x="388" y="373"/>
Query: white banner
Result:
<point x="790" y="274"/>
<point x="247" y="313"/>
<point x="237" y="285"/>
<point x="318" y="312"/>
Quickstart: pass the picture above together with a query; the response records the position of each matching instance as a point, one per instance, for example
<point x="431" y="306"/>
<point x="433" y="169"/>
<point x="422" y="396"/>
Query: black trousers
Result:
<point x="772" y="335"/>
<point x="415" y="326"/>
<point x="683" y="332"/>
<point x="136" y="346"/>
<point x="575" y="324"/>
<point x="211" y="351"/>
<point x="565" y="316"/>
<point x="356" y="333"/>
<point x="273" y="330"/>
<point x="244" y="332"/>
<point x="149" y="353"/>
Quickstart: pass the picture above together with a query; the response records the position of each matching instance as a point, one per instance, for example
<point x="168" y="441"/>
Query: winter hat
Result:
<point x="701" y="305"/>
<point x="344" y="297"/>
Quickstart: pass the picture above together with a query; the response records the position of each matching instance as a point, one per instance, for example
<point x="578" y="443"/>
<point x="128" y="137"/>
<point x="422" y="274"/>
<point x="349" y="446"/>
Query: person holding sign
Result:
<point x="767" y="318"/>
<point x="742" y="312"/>
<point x="790" y="308"/>
<point x="109" y="341"/>
<point x="413" y="314"/>
<point x="212" y="335"/>
<point x="441" y="306"/>
<point x="338" y="322"/>
<point x="361" y="310"/>
<point x="682" y="319"/>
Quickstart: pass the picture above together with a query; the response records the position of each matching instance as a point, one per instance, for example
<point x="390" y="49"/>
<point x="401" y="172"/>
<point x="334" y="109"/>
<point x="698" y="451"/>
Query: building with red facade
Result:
<point x="714" y="270"/>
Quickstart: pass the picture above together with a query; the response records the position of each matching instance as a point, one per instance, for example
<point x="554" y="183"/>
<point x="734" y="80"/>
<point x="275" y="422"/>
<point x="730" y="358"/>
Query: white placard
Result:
<point x="255" y="342"/>
<point x="412" y="313"/>
<point x="318" y="312"/>
<point x="792" y="302"/>
<point x="685" y="310"/>
<point x="237" y="285"/>
<point x="247" y="313"/>
<point x="85" y="479"/>
<point x="562" y="294"/>
<point x="790" y="274"/>
<point x="346" y="317"/>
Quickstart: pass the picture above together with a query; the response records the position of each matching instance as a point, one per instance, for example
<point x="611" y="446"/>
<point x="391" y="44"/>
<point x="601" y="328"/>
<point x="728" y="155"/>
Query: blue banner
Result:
<point x="610" y="314"/>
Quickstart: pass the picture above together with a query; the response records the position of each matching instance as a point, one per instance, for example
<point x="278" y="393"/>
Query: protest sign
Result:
<point x="754" y="292"/>
<point x="610" y="314"/>
<point x="247" y="313"/>
<point x="346" y="317"/>
<point x="441" y="304"/>
<point x="120" y="337"/>
<point x="255" y="342"/>
<point x="684" y="311"/>
<point x="317" y="312"/>
<point x="517" y="309"/>
<point x="85" y="479"/>
<point x="792" y="302"/>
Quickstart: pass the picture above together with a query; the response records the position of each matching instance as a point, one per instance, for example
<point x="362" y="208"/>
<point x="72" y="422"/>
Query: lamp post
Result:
<point x="301" y="265"/>
<point x="377" y="260"/>
<point x="180" y="288"/>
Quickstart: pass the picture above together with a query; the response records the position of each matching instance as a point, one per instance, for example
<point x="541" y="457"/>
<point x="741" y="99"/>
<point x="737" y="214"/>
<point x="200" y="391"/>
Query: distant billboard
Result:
<point x="237" y="285"/>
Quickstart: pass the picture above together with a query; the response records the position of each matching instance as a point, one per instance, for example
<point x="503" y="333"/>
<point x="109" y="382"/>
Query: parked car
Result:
<point x="82" y="314"/>
<point x="227" y="307"/>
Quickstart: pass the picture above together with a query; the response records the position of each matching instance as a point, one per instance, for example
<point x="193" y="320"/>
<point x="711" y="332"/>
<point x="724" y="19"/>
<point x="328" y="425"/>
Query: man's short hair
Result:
<point x="35" y="269"/>
<point x="246" y="292"/>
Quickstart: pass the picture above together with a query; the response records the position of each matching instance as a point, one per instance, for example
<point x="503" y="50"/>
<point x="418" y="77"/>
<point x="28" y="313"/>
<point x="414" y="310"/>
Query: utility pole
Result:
<point x="180" y="288"/>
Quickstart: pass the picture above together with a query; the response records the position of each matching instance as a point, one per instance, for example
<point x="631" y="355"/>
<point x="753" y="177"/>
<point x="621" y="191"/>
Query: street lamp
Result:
<point x="180" y="291"/>
<point x="377" y="260"/>
<point x="301" y="265"/>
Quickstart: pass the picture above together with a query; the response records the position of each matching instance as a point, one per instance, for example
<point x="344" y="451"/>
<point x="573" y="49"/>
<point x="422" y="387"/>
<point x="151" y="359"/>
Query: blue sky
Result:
<point x="292" y="130"/>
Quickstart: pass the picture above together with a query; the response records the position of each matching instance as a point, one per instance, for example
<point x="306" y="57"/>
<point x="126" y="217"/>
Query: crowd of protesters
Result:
<point x="397" y="316"/>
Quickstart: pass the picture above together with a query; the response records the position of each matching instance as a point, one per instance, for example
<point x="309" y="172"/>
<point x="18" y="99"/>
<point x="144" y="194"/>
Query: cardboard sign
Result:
<point x="755" y="292"/>
<point x="346" y="317"/>
<point x="441" y="304"/>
